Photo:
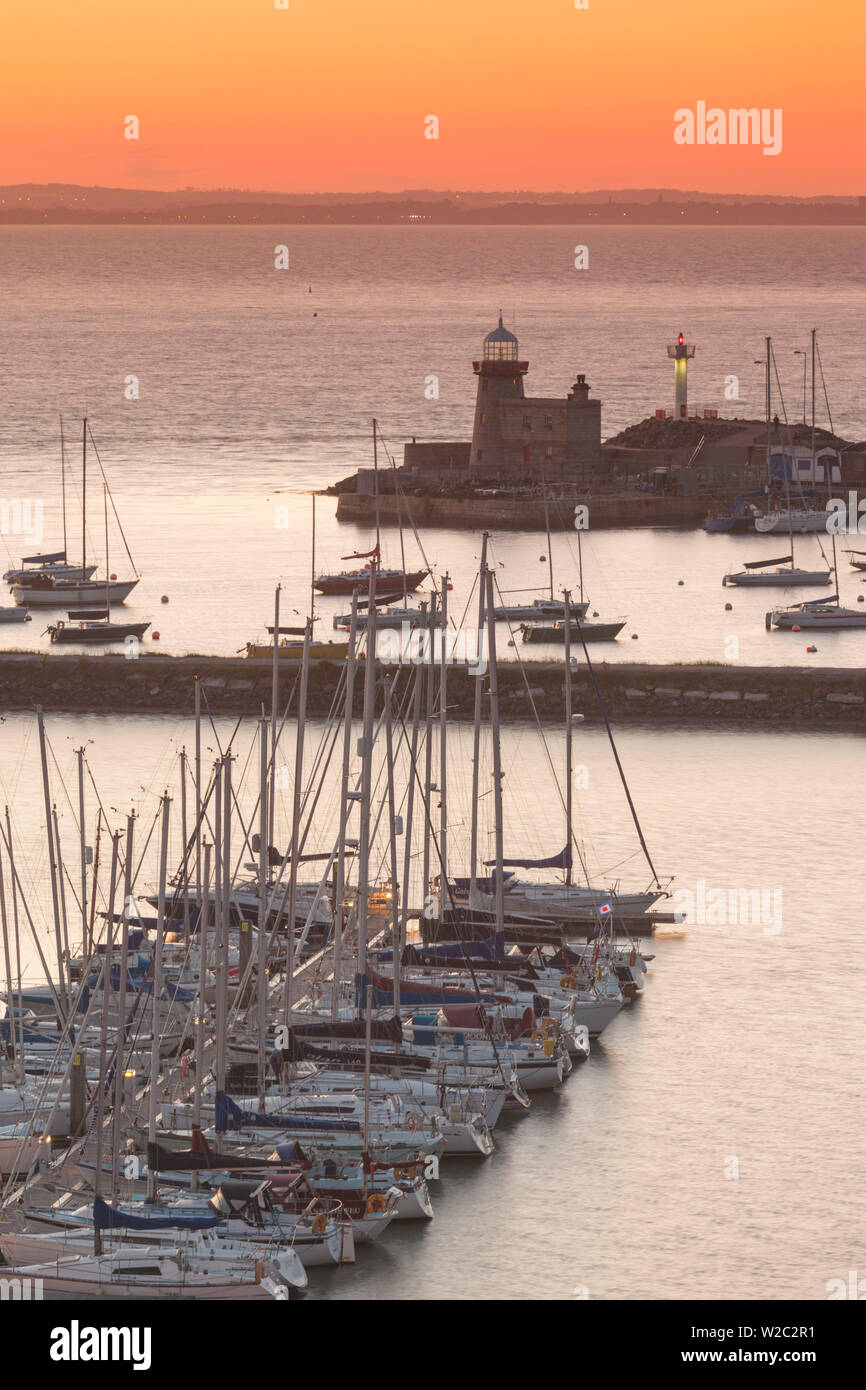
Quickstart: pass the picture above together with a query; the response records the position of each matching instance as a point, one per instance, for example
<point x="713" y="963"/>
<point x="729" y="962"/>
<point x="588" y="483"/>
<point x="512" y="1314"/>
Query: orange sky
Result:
<point x="332" y="94"/>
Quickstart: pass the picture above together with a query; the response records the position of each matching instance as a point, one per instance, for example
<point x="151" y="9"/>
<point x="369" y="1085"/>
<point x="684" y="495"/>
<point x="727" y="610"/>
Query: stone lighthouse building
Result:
<point x="534" y="437"/>
<point x="516" y="437"/>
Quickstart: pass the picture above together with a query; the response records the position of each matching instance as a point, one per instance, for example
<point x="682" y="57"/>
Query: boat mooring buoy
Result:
<point x="164" y="598"/>
<point x="796" y="627"/>
<point x="811" y="649"/>
<point x="681" y="583"/>
<point x="154" y="636"/>
<point x="634" y="637"/>
<point x="728" y="607"/>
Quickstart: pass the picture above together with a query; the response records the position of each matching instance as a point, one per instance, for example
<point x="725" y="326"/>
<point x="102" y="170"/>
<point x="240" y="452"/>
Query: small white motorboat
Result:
<point x="15" y="615"/>
<point x="818" y="613"/>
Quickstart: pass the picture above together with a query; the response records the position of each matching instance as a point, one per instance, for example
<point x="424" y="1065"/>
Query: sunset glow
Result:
<point x="333" y="94"/>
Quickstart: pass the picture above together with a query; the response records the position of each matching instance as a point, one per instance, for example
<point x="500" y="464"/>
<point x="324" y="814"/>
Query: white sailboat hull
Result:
<point x="780" y="578"/>
<point x="801" y="523"/>
<point x="63" y="595"/>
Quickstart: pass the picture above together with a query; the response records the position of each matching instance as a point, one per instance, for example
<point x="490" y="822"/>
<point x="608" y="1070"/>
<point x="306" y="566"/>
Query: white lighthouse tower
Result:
<point x="681" y="351"/>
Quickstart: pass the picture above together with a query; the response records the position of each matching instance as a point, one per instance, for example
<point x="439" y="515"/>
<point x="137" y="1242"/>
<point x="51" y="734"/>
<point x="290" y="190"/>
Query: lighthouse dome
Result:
<point x="500" y="345"/>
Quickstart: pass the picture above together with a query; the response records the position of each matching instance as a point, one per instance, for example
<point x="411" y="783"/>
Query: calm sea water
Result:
<point x="742" y="1057"/>
<point x="257" y="385"/>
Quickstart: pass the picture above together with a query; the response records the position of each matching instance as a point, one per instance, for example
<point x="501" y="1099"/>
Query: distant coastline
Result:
<point x="71" y="205"/>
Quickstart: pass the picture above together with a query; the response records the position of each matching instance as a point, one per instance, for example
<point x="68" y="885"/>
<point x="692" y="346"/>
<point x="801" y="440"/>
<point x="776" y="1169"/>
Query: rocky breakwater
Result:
<point x="808" y="698"/>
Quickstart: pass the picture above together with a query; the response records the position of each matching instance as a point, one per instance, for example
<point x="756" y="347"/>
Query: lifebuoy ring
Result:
<point x="568" y="981"/>
<point x="376" y="1203"/>
<point x="320" y="1224"/>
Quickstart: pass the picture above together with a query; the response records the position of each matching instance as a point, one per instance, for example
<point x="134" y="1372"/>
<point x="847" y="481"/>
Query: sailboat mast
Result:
<point x="63" y="484"/>
<point x="121" y="1007"/>
<point x="313" y="567"/>
<point x="376" y="487"/>
<point x="297" y="789"/>
<point x="340" y="880"/>
<point x="261" y="948"/>
<point x="396" y="942"/>
<point x="443" y="750"/>
<point x="769" y="449"/>
<point x="79" y="753"/>
<point x="814" y="332"/>
<point x="410" y="798"/>
<point x="497" y="757"/>
<point x="569" y="807"/>
<point x="83" y="496"/>
<point x="476" y="733"/>
<point x="275" y="688"/>
<point x="102" y="1105"/>
<point x="107" y="580"/>
<point x="547" y="529"/>
<point x="366" y="778"/>
<point x="156" y="986"/>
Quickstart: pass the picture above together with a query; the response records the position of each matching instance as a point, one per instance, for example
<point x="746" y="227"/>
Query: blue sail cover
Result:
<point x="556" y="861"/>
<point x="43" y="559"/>
<point x="106" y="1218"/>
<point x="492" y="949"/>
<point x="230" y="1116"/>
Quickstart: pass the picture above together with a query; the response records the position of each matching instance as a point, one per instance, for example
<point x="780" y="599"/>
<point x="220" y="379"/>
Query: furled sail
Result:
<point x="556" y="861"/>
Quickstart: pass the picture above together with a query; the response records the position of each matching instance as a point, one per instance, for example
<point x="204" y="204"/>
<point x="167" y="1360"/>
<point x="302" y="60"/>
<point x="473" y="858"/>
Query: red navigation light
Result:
<point x="680" y="338"/>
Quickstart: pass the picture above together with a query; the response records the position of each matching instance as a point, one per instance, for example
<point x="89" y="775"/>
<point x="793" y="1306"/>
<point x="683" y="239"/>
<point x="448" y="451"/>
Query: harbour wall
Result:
<point x="523" y="513"/>
<point x="811" y="698"/>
